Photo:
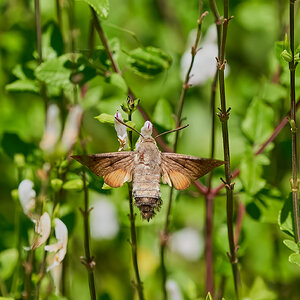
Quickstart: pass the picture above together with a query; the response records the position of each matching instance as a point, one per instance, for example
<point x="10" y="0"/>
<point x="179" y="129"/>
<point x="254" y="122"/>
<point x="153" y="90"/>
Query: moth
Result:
<point x="145" y="167"/>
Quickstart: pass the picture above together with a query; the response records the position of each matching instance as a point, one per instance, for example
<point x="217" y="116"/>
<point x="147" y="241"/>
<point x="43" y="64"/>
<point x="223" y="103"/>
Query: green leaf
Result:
<point x="118" y="81"/>
<point x="291" y="245"/>
<point x="162" y="114"/>
<point x="8" y="261"/>
<point x="260" y="291"/>
<point x="101" y="7"/>
<point x="6" y="298"/>
<point x="52" y="41"/>
<point x="258" y="124"/>
<point x="55" y="73"/>
<point x="295" y="259"/>
<point x="286" y="55"/>
<point x="148" y="62"/>
<point x="23" y="85"/>
<point x="273" y="92"/>
<point x="106" y="118"/>
<point x="285" y="219"/>
<point x="74" y="184"/>
<point x="56" y="184"/>
<point x="106" y="186"/>
<point x="12" y="145"/>
<point x="252" y="171"/>
<point x="208" y="297"/>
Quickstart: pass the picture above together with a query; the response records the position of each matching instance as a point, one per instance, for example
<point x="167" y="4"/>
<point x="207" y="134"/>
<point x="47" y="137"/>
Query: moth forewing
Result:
<point x="115" y="167"/>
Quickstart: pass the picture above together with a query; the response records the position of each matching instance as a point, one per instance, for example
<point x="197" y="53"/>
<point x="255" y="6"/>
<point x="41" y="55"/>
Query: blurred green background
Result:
<point x="257" y="89"/>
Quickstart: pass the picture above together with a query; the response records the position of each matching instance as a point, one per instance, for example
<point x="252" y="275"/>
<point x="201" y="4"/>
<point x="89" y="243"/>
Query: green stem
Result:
<point x="38" y="30"/>
<point x="292" y="67"/>
<point x="224" y="115"/>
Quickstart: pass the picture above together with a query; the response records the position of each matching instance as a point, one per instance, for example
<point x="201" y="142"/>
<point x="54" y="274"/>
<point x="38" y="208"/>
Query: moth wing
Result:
<point x="115" y="167"/>
<point x="180" y="170"/>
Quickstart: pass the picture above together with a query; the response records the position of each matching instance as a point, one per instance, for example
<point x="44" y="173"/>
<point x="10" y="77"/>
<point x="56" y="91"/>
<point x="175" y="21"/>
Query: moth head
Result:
<point x="146" y="130"/>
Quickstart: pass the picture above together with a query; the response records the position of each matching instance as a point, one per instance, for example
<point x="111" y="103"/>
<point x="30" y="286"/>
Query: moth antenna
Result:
<point x="173" y="130"/>
<point x="128" y="126"/>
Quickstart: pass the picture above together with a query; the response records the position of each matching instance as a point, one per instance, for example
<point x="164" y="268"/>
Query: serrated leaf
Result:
<point x="295" y="259"/>
<point x="258" y="124"/>
<point x="23" y="85"/>
<point x="54" y="73"/>
<point x="101" y="7"/>
<point x="8" y="261"/>
<point x="75" y="184"/>
<point x="291" y="245"/>
<point x="148" y="62"/>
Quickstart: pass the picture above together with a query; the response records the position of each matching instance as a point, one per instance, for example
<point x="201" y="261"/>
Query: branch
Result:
<point x="292" y="67"/>
<point x="224" y="116"/>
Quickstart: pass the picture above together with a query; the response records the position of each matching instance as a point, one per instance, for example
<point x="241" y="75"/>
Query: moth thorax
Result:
<point x="148" y="206"/>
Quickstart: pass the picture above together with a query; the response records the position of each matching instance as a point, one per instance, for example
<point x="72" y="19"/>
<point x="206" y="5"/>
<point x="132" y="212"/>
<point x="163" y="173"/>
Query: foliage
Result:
<point x="147" y="41"/>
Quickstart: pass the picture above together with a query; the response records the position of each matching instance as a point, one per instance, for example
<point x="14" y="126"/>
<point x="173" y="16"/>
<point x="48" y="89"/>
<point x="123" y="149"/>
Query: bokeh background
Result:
<point x="257" y="89"/>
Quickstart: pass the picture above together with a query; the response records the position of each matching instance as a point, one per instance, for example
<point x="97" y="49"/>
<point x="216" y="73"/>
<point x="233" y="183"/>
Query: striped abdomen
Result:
<point x="146" y="180"/>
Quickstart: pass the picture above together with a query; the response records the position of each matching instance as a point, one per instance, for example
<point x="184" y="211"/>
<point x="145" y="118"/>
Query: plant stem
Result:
<point x="224" y="115"/>
<point x="165" y="232"/>
<point x="58" y="13"/>
<point x="88" y="261"/>
<point x="38" y="30"/>
<point x="133" y="242"/>
<point x="292" y="67"/>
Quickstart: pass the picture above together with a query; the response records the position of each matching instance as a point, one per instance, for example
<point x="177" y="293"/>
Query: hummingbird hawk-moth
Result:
<point x="144" y="167"/>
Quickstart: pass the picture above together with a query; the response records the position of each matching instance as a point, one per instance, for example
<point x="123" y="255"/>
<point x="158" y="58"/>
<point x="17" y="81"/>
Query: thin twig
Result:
<point x="292" y="67"/>
<point x="173" y="130"/>
<point x="223" y="116"/>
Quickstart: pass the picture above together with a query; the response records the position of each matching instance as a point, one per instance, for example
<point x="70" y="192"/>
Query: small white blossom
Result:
<point x="188" y="243"/>
<point x="173" y="290"/>
<point x="104" y="222"/>
<point x="121" y="131"/>
<point x="27" y="196"/>
<point x="52" y="129"/>
<point x="71" y="129"/>
<point x="42" y="230"/>
<point x="205" y="63"/>
<point x="60" y="248"/>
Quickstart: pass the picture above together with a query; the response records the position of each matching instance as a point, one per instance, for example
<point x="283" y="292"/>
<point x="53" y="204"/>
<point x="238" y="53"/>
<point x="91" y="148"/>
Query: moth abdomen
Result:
<point x="148" y="206"/>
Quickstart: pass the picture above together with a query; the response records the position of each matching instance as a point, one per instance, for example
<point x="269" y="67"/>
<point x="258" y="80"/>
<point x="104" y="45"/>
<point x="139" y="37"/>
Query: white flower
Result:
<point x="60" y="248"/>
<point x="205" y="63"/>
<point x="42" y="230"/>
<point x="104" y="222"/>
<point x="121" y="131"/>
<point x="52" y="129"/>
<point x="188" y="243"/>
<point x="56" y="274"/>
<point x="173" y="290"/>
<point x="27" y="196"/>
<point x="72" y="128"/>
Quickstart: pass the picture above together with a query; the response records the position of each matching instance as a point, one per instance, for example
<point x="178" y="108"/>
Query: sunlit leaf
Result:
<point x="8" y="261"/>
<point x="258" y="123"/>
<point x="23" y="85"/>
<point x="75" y="184"/>
<point x="291" y="245"/>
<point x="295" y="259"/>
<point x="101" y="7"/>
